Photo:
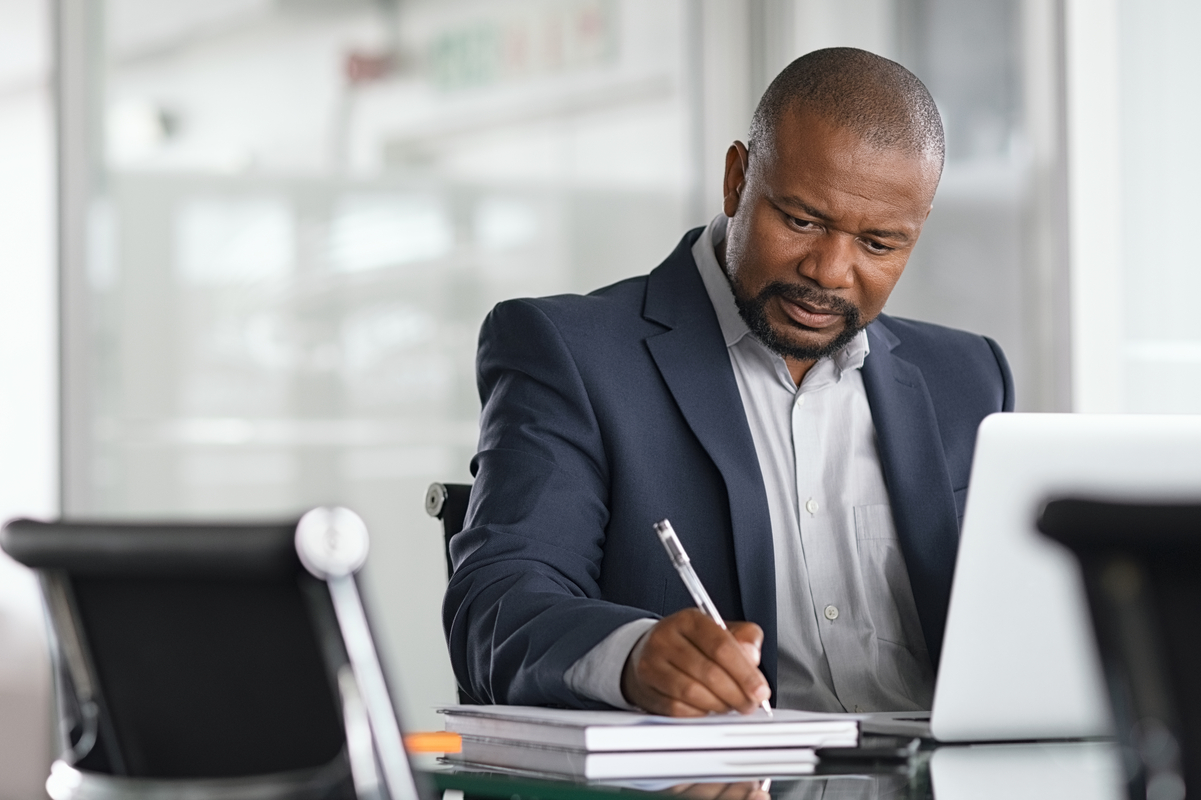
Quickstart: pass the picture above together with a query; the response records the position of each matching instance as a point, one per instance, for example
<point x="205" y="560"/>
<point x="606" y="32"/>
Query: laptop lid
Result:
<point x="1019" y="659"/>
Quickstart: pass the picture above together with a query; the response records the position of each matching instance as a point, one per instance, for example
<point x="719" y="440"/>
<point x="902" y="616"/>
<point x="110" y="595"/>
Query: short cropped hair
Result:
<point x="881" y="101"/>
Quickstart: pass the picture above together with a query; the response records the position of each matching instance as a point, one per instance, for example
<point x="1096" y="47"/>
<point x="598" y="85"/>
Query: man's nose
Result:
<point x="830" y="263"/>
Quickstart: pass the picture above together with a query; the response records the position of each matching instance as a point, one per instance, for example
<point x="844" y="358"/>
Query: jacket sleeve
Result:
<point x="524" y="603"/>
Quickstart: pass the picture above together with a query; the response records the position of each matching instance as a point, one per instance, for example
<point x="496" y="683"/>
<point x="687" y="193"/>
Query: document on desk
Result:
<point x="622" y="731"/>
<point x="581" y="764"/>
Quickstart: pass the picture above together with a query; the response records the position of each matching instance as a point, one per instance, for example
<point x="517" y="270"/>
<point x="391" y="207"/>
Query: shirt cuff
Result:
<point x="597" y="674"/>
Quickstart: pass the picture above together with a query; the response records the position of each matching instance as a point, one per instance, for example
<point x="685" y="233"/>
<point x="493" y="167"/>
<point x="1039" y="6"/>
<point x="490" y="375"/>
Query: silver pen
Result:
<point x="683" y="565"/>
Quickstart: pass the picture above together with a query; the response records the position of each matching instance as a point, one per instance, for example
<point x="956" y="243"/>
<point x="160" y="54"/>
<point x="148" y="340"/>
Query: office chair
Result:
<point x="448" y="502"/>
<point x="214" y="661"/>
<point x="1141" y="563"/>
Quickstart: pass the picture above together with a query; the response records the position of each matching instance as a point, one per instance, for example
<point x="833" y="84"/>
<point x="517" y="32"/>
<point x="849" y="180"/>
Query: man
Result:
<point x="811" y="453"/>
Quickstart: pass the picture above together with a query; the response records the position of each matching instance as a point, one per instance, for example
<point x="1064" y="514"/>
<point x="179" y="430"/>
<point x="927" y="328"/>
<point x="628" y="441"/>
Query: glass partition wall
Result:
<point x="284" y="220"/>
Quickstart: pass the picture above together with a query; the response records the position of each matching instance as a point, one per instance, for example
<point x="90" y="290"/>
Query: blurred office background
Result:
<point x="249" y="276"/>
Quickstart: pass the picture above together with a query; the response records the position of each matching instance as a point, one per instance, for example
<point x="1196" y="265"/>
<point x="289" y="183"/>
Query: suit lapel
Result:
<point x="915" y="471"/>
<point x="695" y="365"/>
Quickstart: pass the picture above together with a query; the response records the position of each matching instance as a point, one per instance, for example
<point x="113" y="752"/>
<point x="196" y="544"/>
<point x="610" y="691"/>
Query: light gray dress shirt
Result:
<point x="849" y="638"/>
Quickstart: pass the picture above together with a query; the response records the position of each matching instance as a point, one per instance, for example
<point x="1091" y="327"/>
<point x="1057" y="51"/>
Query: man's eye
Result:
<point x="802" y="223"/>
<point x="876" y="247"/>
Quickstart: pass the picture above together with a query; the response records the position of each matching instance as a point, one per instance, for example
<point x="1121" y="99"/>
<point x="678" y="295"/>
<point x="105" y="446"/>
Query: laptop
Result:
<point x="1019" y="661"/>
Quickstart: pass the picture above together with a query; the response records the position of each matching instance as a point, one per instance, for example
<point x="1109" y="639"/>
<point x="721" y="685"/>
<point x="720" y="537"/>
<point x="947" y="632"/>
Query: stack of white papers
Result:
<point x="617" y="744"/>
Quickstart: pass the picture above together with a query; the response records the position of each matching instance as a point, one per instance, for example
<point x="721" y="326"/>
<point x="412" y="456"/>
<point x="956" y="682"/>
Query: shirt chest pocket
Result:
<point x="874" y="522"/>
<point x="887" y="595"/>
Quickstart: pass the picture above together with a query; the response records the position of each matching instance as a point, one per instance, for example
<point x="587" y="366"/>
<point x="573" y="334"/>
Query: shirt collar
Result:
<point x="733" y="327"/>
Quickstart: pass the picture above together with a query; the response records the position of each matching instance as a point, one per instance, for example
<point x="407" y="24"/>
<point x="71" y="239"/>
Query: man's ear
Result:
<point x="735" y="178"/>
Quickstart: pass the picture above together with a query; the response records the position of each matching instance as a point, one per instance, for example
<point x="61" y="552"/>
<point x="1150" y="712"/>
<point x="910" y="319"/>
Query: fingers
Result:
<point x="656" y="702"/>
<point x="743" y="790"/>
<point x="686" y="674"/>
<point x="686" y="665"/>
<point x="719" y="663"/>
<point x="750" y="636"/>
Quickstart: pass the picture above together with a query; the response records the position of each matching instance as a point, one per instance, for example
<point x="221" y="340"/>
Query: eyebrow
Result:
<point x="796" y="202"/>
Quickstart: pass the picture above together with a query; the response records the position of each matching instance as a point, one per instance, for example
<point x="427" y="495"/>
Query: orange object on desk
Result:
<point x="433" y="742"/>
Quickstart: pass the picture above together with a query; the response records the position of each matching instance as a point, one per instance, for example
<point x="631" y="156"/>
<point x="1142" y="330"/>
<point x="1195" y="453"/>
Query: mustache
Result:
<point x="781" y="342"/>
<point x="817" y="299"/>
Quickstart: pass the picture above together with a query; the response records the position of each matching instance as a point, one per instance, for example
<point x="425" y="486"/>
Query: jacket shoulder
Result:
<point x="917" y="335"/>
<point x="611" y="306"/>
<point x="950" y="358"/>
<point x="623" y="308"/>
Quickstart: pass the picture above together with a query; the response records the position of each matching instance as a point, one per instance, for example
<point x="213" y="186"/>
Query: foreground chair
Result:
<point x="214" y="661"/>
<point x="1142" y="573"/>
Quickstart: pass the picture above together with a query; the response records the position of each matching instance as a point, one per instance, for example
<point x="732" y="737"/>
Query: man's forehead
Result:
<point x="809" y="155"/>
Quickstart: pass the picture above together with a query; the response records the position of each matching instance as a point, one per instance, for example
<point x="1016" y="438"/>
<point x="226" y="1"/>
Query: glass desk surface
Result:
<point x="1034" y="771"/>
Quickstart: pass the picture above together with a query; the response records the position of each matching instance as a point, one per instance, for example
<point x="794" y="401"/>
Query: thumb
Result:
<point x="752" y="652"/>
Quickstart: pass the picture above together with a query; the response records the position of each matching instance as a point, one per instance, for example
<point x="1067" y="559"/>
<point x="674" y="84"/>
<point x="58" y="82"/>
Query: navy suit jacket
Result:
<point x="605" y="413"/>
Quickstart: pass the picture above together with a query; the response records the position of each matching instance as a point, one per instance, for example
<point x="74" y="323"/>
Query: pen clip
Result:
<point x="671" y="543"/>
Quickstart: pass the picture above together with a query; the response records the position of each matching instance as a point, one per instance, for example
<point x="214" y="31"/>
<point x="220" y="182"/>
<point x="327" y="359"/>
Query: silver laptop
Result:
<point x="1018" y="659"/>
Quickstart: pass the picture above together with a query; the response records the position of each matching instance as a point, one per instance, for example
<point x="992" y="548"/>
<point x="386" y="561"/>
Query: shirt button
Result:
<point x="800" y="400"/>
<point x="811" y="506"/>
<point x="831" y="613"/>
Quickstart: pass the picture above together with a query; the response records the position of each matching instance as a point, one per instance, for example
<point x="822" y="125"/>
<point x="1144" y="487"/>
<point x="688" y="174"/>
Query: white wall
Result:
<point x="28" y="400"/>
<point x="1094" y="187"/>
<point x="1132" y="72"/>
<point x="1159" y="80"/>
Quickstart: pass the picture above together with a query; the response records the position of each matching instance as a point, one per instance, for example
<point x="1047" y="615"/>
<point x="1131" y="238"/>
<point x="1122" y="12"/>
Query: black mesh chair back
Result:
<point x="1142" y="573"/>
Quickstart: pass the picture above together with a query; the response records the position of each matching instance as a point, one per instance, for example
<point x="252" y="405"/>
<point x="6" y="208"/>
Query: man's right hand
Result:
<point x="687" y="666"/>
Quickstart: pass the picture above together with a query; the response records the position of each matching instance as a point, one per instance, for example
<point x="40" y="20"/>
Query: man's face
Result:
<point x="822" y="225"/>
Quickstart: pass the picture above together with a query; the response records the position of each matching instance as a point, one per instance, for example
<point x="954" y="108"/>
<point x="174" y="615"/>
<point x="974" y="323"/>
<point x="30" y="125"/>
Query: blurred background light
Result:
<point x="238" y="242"/>
<point x="374" y="232"/>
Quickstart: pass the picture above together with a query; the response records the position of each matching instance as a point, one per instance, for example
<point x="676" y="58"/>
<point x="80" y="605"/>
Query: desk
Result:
<point x="1048" y="771"/>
